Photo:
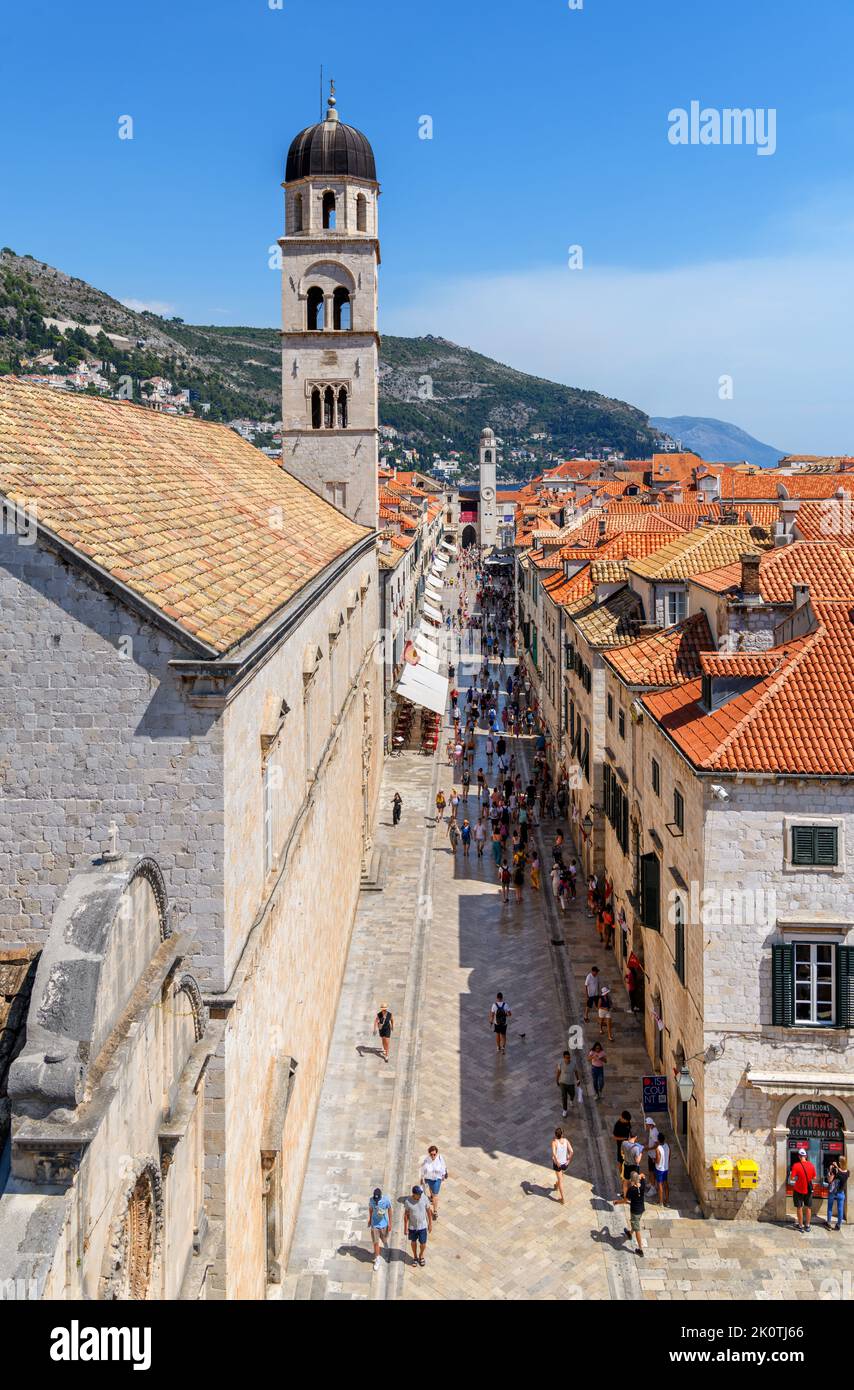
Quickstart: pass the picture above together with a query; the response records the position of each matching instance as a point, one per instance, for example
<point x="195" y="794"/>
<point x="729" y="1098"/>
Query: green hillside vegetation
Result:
<point x="438" y="395"/>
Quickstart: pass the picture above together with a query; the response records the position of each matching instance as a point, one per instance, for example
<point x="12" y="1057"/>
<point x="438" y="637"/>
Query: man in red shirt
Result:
<point x="803" y="1177"/>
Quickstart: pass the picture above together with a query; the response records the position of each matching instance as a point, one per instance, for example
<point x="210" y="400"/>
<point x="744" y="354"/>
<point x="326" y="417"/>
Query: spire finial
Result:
<point x="331" y="113"/>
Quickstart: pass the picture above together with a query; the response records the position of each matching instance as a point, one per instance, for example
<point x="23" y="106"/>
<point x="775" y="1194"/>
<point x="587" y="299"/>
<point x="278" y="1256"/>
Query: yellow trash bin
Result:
<point x="722" y="1170"/>
<point x="748" y="1172"/>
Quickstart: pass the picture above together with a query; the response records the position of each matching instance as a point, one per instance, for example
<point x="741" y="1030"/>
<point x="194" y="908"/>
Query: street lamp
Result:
<point x="684" y="1084"/>
<point x="587" y="823"/>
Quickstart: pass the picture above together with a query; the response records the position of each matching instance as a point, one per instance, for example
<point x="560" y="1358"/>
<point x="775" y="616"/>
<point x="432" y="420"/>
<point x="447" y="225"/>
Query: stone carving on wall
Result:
<point x="132" y="1260"/>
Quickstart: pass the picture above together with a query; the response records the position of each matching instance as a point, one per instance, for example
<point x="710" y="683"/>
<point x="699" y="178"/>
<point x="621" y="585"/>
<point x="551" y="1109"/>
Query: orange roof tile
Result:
<point x="708" y="547"/>
<point x="826" y="566"/>
<point x="188" y="515"/>
<point x="768" y="483"/>
<point x="665" y="658"/>
<point x="798" y="719"/>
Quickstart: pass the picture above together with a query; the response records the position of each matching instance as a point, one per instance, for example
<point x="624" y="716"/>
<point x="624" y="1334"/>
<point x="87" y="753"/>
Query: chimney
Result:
<point x="603" y="527"/>
<point x="800" y="595"/>
<point x="750" y="575"/>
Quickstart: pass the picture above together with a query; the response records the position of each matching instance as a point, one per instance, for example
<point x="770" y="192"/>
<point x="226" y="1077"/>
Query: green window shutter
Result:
<point x="651" y="892"/>
<point x="845" y="986"/>
<point x="679" y="951"/>
<point x="783" y="985"/>
<point x="803" y="849"/>
<point x="624" y="828"/>
<point x="826" y="844"/>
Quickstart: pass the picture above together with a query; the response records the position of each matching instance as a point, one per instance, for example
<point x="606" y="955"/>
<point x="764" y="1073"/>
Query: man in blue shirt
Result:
<point x="380" y="1215"/>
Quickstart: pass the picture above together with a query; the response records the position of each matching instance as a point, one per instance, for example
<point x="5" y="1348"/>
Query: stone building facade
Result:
<point x="228" y="721"/>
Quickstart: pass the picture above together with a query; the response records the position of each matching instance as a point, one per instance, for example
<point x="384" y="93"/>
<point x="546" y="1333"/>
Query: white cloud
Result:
<point x="661" y="339"/>
<point x="153" y="306"/>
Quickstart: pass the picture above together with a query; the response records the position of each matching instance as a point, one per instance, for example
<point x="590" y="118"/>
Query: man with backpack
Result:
<point x="499" y="1015"/>
<point x="803" y="1178"/>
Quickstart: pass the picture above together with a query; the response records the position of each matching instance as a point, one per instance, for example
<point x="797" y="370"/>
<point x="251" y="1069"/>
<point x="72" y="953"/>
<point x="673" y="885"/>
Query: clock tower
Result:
<point x="488" y="509"/>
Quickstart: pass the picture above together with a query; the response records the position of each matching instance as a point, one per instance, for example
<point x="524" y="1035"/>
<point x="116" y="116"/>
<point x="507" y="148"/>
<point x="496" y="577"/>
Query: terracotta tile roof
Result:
<point x="609" y="572"/>
<point x="188" y="515"/>
<point x="708" y="547"/>
<point x="665" y="658"/>
<point x="564" y="591"/>
<point x="611" y="623"/>
<point x="826" y="566"/>
<point x="402" y="542"/>
<point x="742" y="663"/>
<point x="829" y="519"/>
<point x="767" y="482"/>
<point x="798" y="719"/>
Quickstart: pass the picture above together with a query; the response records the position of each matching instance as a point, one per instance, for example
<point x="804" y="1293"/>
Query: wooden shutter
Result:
<point x="783" y="985"/>
<point x="845" y="986"/>
<point x="624" y="826"/>
<point x="803" y="850"/>
<point x="679" y="951"/>
<point x="825" y="844"/>
<point x="650" y="892"/>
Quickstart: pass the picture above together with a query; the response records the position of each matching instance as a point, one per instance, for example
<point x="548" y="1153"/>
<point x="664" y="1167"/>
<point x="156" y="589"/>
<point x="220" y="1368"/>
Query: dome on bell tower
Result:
<point x="330" y="149"/>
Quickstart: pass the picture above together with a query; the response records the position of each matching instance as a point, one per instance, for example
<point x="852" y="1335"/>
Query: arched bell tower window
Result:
<point x="361" y="213"/>
<point x="329" y="211"/>
<point x="329" y="409"/>
<point x="342" y="317"/>
<point x="314" y="308"/>
<point x="316" y="409"/>
<point x="298" y="213"/>
<point x="487" y="457"/>
<point x="342" y="407"/>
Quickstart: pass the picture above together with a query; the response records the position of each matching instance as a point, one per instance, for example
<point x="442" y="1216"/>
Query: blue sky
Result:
<point x="550" y="130"/>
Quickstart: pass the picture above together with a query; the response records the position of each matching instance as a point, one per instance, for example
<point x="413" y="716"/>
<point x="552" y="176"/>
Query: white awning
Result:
<point x="446" y="545"/>
<point x="422" y="687"/>
<point x="425" y="641"/>
<point x="425" y="660"/>
<point x="440" y="564"/>
<point x="431" y="612"/>
<point x="434" y="591"/>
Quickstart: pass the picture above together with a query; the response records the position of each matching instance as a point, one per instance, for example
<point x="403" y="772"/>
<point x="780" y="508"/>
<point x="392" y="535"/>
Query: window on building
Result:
<point x="656" y="778"/>
<point x="329" y="212"/>
<point x="674" y="606"/>
<point x="361" y="213"/>
<point x="268" y="816"/>
<point x="314" y="309"/>
<point x="316" y="409"/>
<point x="329" y="409"/>
<point x="621" y="723"/>
<point x="298" y="213"/>
<point x="342" y="408"/>
<point x="678" y="810"/>
<point x="679" y="937"/>
<point x="816" y="845"/>
<point x="610" y="707"/>
<point x="337" y="495"/>
<point x="341" y="309"/>
<point x="812" y="985"/>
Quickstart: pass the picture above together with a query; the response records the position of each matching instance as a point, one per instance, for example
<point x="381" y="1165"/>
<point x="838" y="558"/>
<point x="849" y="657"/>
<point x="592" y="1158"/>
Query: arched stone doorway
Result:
<point x="469" y="537"/>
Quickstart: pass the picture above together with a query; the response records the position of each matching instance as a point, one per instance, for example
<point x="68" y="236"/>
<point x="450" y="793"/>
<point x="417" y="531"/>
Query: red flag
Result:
<point x="411" y="653"/>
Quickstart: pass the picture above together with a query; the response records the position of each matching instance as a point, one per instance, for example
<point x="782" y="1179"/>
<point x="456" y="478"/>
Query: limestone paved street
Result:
<point x="435" y="944"/>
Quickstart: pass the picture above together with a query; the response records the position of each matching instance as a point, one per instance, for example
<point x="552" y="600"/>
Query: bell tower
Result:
<point x="488" y="509"/>
<point x="330" y="344"/>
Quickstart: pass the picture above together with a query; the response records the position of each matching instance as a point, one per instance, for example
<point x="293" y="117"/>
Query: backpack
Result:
<point x="501" y="1017"/>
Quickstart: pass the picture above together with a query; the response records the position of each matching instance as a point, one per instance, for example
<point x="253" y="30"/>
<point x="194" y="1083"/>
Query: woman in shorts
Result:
<point x="561" y="1159"/>
<point x="605" y="1024"/>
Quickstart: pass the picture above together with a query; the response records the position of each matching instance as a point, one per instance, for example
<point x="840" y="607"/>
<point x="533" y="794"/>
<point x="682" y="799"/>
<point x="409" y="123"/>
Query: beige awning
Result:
<point x="423" y="687"/>
<point x="433" y="613"/>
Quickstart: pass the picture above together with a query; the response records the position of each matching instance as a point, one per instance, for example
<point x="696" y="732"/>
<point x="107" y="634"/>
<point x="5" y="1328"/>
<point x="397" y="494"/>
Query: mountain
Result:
<point x="436" y="393"/>
<point x="716" y="441"/>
